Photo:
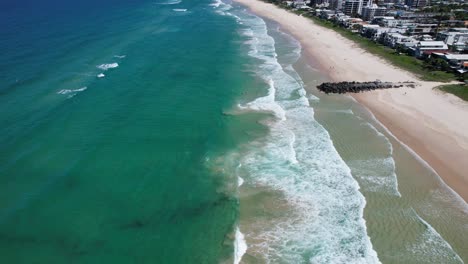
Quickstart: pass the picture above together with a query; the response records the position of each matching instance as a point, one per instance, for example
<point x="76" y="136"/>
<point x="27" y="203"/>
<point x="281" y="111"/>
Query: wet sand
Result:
<point x="434" y="125"/>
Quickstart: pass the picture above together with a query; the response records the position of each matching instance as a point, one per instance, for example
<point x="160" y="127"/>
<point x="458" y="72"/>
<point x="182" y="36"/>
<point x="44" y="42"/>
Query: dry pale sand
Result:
<point x="433" y="124"/>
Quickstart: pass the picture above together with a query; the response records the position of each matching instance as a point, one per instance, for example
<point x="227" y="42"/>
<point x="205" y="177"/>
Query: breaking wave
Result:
<point x="170" y="2"/>
<point x="240" y="246"/>
<point x="71" y="92"/>
<point x="431" y="246"/>
<point x="297" y="158"/>
<point x="105" y="67"/>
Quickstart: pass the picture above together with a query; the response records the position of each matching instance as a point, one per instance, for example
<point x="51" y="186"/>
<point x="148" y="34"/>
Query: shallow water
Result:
<point x="191" y="131"/>
<point x="410" y="215"/>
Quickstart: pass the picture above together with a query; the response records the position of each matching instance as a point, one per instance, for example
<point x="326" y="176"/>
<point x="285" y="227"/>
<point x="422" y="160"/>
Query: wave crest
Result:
<point x="105" y="67"/>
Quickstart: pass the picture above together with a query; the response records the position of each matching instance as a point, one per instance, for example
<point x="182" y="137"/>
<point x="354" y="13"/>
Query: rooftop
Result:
<point x="431" y="43"/>
<point x="463" y="57"/>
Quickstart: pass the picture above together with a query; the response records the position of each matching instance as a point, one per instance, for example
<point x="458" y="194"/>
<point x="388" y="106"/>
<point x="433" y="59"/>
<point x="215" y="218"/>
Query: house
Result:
<point x="457" y="41"/>
<point x="420" y="29"/>
<point x="298" y="4"/>
<point x="426" y="48"/>
<point x="460" y="30"/>
<point x="373" y="32"/>
<point x="355" y="24"/>
<point x="305" y="7"/>
<point x="416" y="3"/>
<point x="326" y="14"/>
<point x="463" y="68"/>
<point x="458" y="62"/>
<point x="395" y="39"/>
<point x="384" y="21"/>
<point x="455" y="60"/>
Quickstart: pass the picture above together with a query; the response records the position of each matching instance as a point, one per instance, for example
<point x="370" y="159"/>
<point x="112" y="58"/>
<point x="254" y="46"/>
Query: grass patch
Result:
<point x="403" y="61"/>
<point x="460" y="90"/>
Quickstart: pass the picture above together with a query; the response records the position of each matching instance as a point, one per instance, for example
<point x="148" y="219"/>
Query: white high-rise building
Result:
<point x="353" y="7"/>
<point x="336" y="4"/>
<point x="370" y="11"/>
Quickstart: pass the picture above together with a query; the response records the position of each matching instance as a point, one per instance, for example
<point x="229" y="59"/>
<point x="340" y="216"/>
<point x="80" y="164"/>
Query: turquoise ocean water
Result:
<point x="112" y="169"/>
<point x="189" y="131"/>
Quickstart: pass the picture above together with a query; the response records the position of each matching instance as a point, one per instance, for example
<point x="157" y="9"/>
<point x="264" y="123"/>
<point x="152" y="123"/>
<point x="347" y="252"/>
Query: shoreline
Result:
<point x="429" y="122"/>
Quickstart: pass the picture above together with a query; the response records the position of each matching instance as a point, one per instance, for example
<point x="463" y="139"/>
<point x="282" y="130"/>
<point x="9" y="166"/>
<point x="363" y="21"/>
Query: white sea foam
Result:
<point x="105" y="67"/>
<point x="459" y="200"/>
<point x="266" y="104"/>
<point x="240" y="246"/>
<point x="240" y="180"/>
<point x="120" y="56"/>
<point x="390" y="162"/>
<point x="101" y="75"/>
<point x="81" y="89"/>
<point x="298" y="159"/>
<point x="432" y="246"/>
<point x="179" y="10"/>
<point x="170" y="2"/>
<point x="71" y="92"/>
<point x="340" y="111"/>
<point x="222" y="8"/>
<point x="379" y="173"/>
<point x="65" y="91"/>
<point x="216" y="3"/>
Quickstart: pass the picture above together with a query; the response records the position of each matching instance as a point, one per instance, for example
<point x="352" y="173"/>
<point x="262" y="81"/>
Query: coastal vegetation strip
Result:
<point x="394" y="57"/>
<point x="460" y="90"/>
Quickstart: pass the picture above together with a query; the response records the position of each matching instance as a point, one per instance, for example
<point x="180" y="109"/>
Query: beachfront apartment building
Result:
<point x="456" y="41"/>
<point x="459" y="30"/>
<point x="320" y="3"/>
<point x="392" y="22"/>
<point x="456" y="60"/>
<point x="373" y="32"/>
<point x="384" y="21"/>
<point x="398" y="40"/>
<point x="353" y="7"/>
<point x="336" y="4"/>
<point x="408" y="15"/>
<point x="416" y="3"/>
<point x="326" y="14"/>
<point x="426" y="48"/>
<point x="299" y="4"/>
<point x="353" y="23"/>
<point x="371" y="11"/>
<point x="408" y="33"/>
<point x="422" y="29"/>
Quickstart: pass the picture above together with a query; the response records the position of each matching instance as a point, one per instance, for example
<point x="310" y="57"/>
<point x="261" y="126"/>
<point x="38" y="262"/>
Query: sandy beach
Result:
<point x="433" y="124"/>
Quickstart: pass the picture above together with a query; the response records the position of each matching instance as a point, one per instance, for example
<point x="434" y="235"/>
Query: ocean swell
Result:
<point x="297" y="159"/>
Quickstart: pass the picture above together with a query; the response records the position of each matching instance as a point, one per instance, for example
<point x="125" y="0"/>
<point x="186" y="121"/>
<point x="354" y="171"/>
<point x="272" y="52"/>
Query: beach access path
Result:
<point x="433" y="124"/>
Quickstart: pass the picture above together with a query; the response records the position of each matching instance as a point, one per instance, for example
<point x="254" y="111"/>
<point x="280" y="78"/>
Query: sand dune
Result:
<point x="433" y="124"/>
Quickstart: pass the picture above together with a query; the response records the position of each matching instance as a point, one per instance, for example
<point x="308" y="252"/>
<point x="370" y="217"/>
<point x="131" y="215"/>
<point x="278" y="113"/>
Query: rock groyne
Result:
<point x="357" y="87"/>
